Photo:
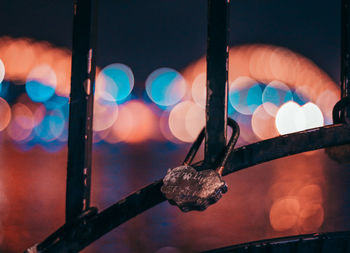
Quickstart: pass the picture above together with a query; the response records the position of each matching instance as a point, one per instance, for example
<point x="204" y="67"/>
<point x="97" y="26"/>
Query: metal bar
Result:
<point x="334" y="242"/>
<point x="286" y="145"/>
<point x="81" y="108"/>
<point x="151" y="195"/>
<point x="217" y="75"/>
<point x="81" y="235"/>
<point x="345" y="48"/>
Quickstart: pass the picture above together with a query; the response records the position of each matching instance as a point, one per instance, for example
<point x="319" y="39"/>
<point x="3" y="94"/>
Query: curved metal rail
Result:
<point x="336" y="242"/>
<point x="90" y="226"/>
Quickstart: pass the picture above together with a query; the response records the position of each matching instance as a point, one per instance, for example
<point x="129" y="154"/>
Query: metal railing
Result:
<point x="84" y="224"/>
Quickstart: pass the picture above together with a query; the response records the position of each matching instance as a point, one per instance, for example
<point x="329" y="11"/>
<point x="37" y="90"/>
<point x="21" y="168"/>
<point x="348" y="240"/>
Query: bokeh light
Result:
<point x="247" y="134"/>
<point x="286" y="118"/>
<point x="267" y="63"/>
<point x="199" y="89"/>
<point x="114" y="83"/>
<point x="5" y="112"/>
<point x="22" y="123"/>
<point x="284" y="213"/>
<point x="276" y="93"/>
<point x="122" y="127"/>
<point x="177" y="121"/>
<point x="56" y="102"/>
<point x="41" y="83"/>
<point x="195" y="120"/>
<point x="105" y="114"/>
<point x="245" y="95"/>
<point x="300" y="209"/>
<point x="263" y="122"/>
<point x="39" y="114"/>
<point x="143" y="122"/>
<point x="2" y="72"/>
<point x="309" y="116"/>
<point x="51" y="126"/>
<point x="56" y="123"/>
<point x="165" y="86"/>
<point x="165" y="128"/>
<point x="326" y="101"/>
<point x="135" y="123"/>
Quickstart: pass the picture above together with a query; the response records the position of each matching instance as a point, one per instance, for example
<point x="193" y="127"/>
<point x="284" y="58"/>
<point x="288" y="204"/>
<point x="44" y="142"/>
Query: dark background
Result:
<point x="149" y="34"/>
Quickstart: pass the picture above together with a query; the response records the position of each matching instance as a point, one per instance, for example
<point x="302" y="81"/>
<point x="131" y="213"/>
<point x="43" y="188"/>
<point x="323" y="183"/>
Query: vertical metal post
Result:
<point x="81" y="108"/>
<point x="217" y="79"/>
<point x="345" y="48"/>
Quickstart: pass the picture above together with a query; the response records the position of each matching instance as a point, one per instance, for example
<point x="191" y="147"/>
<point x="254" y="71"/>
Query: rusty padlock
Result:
<point x="192" y="189"/>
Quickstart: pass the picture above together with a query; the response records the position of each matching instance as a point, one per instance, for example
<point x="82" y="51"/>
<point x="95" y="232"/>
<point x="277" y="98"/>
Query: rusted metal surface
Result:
<point x="217" y="69"/>
<point x="81" y="108"/>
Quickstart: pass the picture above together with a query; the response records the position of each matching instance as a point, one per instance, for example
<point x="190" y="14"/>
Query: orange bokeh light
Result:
<point x="284" y="213"/>
<point x="22" y="123"/>
<point x="263" y="123"/>
<point x="143" y="122"/>
<point x="266" y="63"/>
<point x="5" y="112"/>
<point x="21" y="55"/>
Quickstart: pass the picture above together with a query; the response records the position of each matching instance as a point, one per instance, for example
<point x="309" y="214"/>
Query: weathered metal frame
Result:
<point x="81" y="108"/>
<point x="81" y="230"/>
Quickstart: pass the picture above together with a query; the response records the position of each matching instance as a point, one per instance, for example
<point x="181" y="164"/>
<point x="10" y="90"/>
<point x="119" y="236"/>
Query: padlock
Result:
<point x="341" y="114"/>
<point x="192" y="189"/>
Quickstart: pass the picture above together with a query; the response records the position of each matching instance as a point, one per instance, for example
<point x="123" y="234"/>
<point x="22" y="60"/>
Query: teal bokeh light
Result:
<point x="277" y="93"/>
<point x="39" y="91"/>
<point x="165" y="87"/>
<point x="115" y="83"/>
<point x="246" y="99"/>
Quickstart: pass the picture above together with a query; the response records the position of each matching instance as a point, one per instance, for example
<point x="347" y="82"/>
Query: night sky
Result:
<point x="150" y="34"/>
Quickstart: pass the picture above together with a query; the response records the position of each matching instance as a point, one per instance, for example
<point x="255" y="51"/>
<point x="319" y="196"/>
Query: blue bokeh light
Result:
<point x="56" y="102"/>
<point x="165" y="87"/>
<point x="277" y="93"/>
<point x="246" y="99"/>
<point x="115" y="83"/>
<point x="39" y="91"/>
<point x="51" y="127"/>
<point x="299" y="98"/>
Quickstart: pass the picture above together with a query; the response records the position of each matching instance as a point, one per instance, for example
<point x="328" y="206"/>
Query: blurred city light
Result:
<point x="41" y="83"/>
<point x="177" y="121"/>
<point x="263" y="122"/>
<point x="276" y="93"/>
<point x="114" y="83"/>
<point x="22" y="123"/>
<point x="245" y="95"/>
<point x="292" y="117"/>
<point x="165" y="86"/>
<point x="5" y="112"/>
<point x="2" y="72"/>
<point x="105" y="114"/>
<point x="199" y="89"/>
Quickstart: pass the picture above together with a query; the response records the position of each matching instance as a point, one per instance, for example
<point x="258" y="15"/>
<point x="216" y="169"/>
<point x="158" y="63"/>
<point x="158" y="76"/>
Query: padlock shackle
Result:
<point x="194" y="148"/>
<point x="224" y="155"/>
<point x="230" y="145"/>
